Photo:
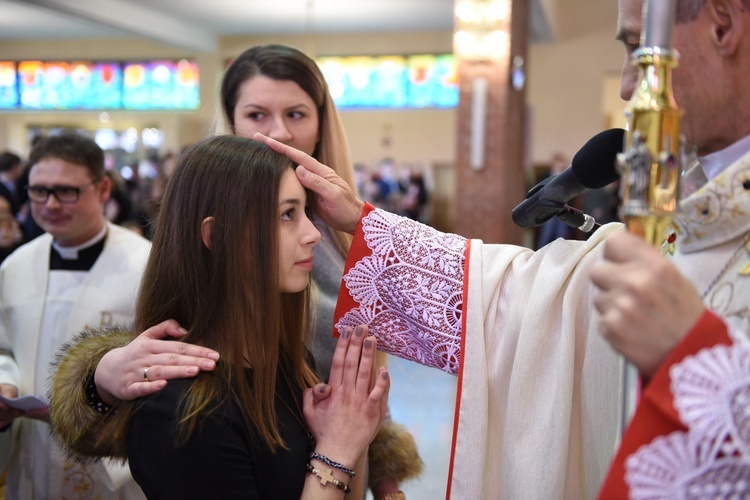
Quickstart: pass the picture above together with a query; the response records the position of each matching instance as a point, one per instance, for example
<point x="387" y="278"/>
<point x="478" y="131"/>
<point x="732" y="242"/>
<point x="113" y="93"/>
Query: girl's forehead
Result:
<point x="289" y="179"/>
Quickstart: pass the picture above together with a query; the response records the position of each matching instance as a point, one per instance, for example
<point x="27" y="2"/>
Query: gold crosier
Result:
<point x="652" y="159"/>
<point x="651" y="162"/>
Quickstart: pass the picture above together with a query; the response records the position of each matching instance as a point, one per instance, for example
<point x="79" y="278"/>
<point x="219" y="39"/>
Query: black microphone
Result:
<point x="593" y="167"/>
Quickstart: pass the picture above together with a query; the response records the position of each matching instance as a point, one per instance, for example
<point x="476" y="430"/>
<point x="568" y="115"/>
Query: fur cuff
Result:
<point x="393" y="455"/>
<point x="84" y="432"/>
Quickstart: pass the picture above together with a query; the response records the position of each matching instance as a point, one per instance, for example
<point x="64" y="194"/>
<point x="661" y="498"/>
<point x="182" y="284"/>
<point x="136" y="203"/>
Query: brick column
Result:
<point x="485" y="197"/>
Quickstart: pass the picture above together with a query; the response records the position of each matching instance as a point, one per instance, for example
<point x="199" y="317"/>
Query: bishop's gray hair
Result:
<point x="688" y="10"/>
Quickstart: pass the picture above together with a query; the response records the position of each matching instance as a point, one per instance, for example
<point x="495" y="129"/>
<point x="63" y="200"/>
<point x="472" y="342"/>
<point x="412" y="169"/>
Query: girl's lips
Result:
<point x="307" y="264"/>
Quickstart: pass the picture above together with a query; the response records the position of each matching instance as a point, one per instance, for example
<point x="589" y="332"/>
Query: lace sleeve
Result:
<point x="712" y="459"/>
<point x="409" y="290"/>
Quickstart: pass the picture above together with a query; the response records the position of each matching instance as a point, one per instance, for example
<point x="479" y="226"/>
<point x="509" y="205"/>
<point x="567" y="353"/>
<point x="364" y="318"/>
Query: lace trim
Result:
<point x="712" y="459"/>
<point x="410" y="290"/>
<point x="717" y="211"/>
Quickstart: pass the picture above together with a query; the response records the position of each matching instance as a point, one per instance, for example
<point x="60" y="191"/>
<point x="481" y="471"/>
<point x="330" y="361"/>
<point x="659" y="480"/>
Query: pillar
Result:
<point x="491" y="134"/>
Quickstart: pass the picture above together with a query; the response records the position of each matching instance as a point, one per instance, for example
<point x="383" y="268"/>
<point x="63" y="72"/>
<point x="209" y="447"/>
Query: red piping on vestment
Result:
<point x="464" y="304"/>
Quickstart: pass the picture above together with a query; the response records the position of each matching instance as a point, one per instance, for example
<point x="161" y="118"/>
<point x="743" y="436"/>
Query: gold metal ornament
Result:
<point x="651" y="161"/>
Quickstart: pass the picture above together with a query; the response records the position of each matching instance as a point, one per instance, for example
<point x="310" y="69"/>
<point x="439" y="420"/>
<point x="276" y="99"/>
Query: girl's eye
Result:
<point x="288" y="215"/>
<point x="255" y="116"/>
<point x="296" y="115"/>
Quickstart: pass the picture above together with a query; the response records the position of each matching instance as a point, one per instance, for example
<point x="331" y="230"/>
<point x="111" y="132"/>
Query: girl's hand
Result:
<point x="345" y="422"/>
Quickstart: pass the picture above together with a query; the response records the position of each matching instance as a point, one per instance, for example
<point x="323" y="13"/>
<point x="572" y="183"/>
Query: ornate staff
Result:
<point x="650" y="163"/>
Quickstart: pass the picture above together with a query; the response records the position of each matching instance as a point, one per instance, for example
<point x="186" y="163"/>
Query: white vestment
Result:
<point x="540" y="392"/>
<point x="106" y="297"/>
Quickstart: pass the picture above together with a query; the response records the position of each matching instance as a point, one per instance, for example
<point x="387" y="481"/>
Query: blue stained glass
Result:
<point x="395" y="82"/>
<point x="69" y="85"/>
<point x="161" y="85"/>
<point x="8" y="85"/>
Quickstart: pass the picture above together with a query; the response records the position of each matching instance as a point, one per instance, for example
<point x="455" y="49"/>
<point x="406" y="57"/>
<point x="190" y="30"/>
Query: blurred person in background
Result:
<point x="83" y="272"/>
<point x="11" y="173"/>
<point x="414" y="203"/>
<point x="11" y="236"/>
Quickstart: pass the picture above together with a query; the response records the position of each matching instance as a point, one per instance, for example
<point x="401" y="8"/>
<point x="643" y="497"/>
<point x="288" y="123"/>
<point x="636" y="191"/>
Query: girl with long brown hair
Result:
<point x="231" y="258"/>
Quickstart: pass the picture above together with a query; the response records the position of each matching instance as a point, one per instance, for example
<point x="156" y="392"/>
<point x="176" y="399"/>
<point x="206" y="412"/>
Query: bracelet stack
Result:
<point x="346" y="470"/>
<point x="327" y="477"/>
<point x="92" y="396"/>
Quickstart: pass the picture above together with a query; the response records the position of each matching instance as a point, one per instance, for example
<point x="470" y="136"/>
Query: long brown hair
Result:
<point x="227" y="296"/>
<point x="281" y="62"/>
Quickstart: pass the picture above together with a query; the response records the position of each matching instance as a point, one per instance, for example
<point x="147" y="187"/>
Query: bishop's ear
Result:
<point x="207" y="229"/>
<point x="727" y="24"/>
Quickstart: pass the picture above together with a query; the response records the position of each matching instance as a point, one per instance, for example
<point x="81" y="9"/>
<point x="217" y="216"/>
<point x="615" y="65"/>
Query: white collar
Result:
<point x="713" y="164"/>
<point x="71" y="253"/>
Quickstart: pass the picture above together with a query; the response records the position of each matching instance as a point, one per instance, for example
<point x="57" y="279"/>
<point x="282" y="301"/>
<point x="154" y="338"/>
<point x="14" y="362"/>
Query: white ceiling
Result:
<point x="197" y="24"/>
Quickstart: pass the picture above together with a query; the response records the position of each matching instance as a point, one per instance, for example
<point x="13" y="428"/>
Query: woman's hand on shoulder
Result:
<point x="146" y="364"/>
<point x="345" y="421"/>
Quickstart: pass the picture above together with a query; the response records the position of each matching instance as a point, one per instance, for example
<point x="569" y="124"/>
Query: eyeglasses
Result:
<point x="64" y="194"/>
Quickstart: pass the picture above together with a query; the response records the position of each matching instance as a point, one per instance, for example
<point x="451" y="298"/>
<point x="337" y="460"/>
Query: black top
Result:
<point x="220" y="460"/>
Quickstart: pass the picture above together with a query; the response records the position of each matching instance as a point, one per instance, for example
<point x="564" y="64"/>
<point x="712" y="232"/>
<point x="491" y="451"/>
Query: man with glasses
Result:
<point x="83" y="272"/>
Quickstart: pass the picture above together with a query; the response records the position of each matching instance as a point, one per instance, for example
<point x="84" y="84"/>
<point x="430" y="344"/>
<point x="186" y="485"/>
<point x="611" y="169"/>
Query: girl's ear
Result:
<point x="207" y="227"/>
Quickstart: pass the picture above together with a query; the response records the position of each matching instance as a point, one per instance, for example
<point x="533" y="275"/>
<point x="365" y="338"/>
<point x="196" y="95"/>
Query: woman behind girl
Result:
<point x="231" y="258"/>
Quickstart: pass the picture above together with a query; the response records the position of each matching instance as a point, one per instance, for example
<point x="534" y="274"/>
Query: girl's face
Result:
<point x="279" y="109"/>
<point x="297" y="235"/>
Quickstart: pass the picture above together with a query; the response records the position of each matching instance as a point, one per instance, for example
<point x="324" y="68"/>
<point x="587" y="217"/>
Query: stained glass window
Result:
<point x="420" y="81"/>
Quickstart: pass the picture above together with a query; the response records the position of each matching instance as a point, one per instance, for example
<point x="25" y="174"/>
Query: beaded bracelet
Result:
<point x="92" y="396"/>
<point x="327" y="477"/>
<point x="343" y="468"/>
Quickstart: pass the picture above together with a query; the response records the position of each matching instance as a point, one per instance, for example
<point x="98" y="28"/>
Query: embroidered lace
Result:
<point x="409" y="290"/>
<point x="717" y="211"/>
<point x="712" y="460"/>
